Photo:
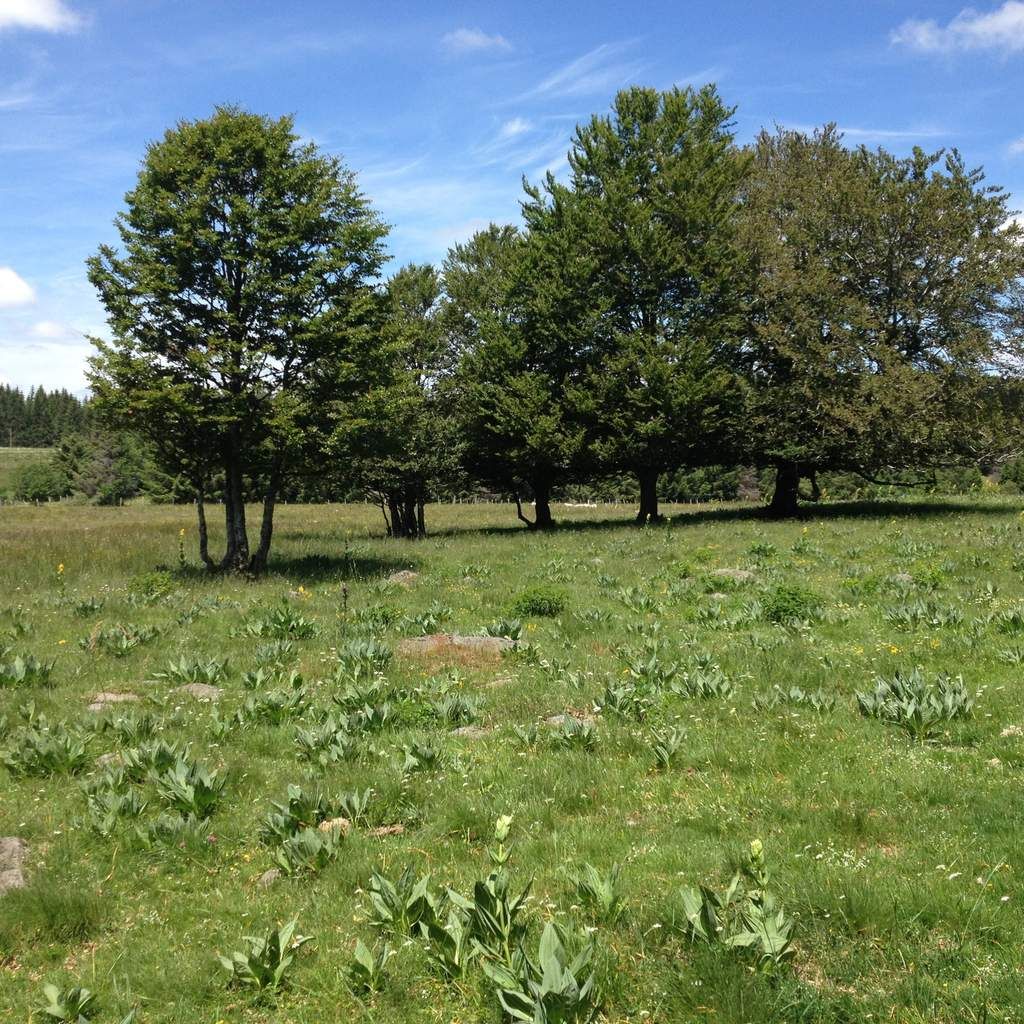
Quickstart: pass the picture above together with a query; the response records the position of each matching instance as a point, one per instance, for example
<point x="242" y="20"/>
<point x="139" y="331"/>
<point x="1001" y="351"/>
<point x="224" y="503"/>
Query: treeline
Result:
<point x="38" y="419"/>
<point x="678" y="303"/>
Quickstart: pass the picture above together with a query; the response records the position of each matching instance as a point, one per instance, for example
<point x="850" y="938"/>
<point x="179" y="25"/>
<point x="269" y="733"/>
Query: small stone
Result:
<point x="342" y="825"/>
<point x="1012" y="730"/>
<point x="736" y="575"/>
<point x="113" y="757"/>
<point x="903" y="577"/>
<point x="13" y="852"/>
<point x="993" y="762"/>
<point x="201" y="691"/>
<point x="268" y="878"/>
<point x="101" y="701"/>
<point x="717" y="595"/>
<point x="404" y="577"/>
<point x="387" y="830"/>
<point x="470" y="732"/>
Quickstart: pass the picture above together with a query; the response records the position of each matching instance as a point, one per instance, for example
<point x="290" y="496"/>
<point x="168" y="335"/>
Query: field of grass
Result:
<point x="894" y="841"/>
<point x="12" y="458"/>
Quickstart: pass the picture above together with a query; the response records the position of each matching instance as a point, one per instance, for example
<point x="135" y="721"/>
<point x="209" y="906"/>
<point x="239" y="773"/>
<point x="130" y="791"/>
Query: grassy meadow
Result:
<point x="701" y="710"/>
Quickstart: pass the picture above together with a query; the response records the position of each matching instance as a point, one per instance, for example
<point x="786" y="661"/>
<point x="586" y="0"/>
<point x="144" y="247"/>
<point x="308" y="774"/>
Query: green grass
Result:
<point x="900" y="860"/>
<point x="14" y="458"/>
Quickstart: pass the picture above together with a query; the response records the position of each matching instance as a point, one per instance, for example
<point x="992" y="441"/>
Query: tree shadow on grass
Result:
<point x="341" y="568"/>
<point x="831" y="511"/>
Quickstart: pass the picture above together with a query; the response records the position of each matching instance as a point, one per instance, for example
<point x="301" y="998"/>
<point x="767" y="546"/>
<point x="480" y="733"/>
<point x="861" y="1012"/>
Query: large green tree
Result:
<point x="654" y="189"/>
<point x="882" y="315"/>
<point x="506" y="302"/>
<point x="402" y="443"/>
<point x="241" y="296"/>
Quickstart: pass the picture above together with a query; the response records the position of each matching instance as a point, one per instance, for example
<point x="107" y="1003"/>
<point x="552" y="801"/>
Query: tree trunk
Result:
<point x="421" y="525"/>
<point x="237" y="554"/>
<point x="395" y="517"/>
<point x="258" y="562"/>
<point x="786" y="498"/>
<point x="542" y="505"/>
<point x="204" y="537"/>
<point x="648" y="479"/>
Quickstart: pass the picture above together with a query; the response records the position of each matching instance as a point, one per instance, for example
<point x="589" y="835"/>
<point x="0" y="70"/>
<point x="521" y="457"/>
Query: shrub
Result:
<point x="789" y="604"/>
<point x="541" y="601"/>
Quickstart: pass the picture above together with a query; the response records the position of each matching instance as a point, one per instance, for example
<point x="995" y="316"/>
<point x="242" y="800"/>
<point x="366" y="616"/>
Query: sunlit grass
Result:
<point x="897" y="857"/>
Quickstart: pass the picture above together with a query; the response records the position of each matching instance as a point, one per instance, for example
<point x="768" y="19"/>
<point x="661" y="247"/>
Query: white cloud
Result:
<point x="1017" y="146"/>
<point x="516" y="126"/>
<point x="14" y="289"/>
<point x="51" y="330"/>
<point x="47" y="15"/>
<point x="1000" y="29"/>
<point x="596" y="71"/>
<point x="473" y="40"/>
<point x="890" y="134"/>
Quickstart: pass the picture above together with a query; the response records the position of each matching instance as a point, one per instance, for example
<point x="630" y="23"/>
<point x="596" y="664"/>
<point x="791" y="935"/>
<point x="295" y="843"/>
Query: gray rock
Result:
<point x="471" y="732"/>
<point x="342" y="825"/>
<point x="268" y="878"/>
<point x="404" y="577"/>
<point x="13" y="853"/>
<point x="201" y="691"/>
<point x="560" y="720"/>
<point x="441" y="644"/>
<point x="102" y="701"/>
<point x="736" y="575"/>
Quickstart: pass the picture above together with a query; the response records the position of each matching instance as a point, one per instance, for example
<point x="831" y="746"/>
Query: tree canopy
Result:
<point x="674" y="302"/>
<point x="242" y="291"/>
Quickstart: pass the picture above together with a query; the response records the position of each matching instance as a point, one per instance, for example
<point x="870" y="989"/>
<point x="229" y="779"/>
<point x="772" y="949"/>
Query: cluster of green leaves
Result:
<point x="745" y="916"/>
<point x="917" y="704"/>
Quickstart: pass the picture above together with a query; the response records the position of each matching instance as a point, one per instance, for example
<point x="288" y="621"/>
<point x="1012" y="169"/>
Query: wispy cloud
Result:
<point x="473" y="40"/>
<point x="600" y="70"/>
<point x="514" y="127"/>
<point x="1000" y="29"/>
<point x="14" y="289"/>
<point x="1017" y="146"/>
<point x="42" y="15"/>
<point x="891" y="134"/>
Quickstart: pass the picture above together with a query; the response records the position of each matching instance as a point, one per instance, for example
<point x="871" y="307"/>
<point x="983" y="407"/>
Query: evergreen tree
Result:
<point x="655" y="190"/>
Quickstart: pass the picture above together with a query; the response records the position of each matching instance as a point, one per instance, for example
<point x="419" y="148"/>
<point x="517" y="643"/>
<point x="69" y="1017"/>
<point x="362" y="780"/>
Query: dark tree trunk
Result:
<point x="409" y="518"/>
<point x="542" y="519"/>
<point x="542" y="505"/>
<point x="406" y="515"/>
<point x="786" y="497"/>
<point x="258" y="562"/>
<point x="421" y="523"/>
<point x="648" y="512"/>
<point x="395" y="518"/>
<point x="237" y="554"/>
<point x="204" y="537"/>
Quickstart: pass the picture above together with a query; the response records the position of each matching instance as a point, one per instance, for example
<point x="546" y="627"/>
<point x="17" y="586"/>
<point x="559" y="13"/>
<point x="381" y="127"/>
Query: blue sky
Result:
<point x="441" y="108"/>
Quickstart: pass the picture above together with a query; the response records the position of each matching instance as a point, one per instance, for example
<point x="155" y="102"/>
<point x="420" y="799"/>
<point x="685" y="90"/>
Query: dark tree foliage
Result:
<point x="882" y="311"/>
<point x="40" y="417"/>
<point x="651" y="246"/>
